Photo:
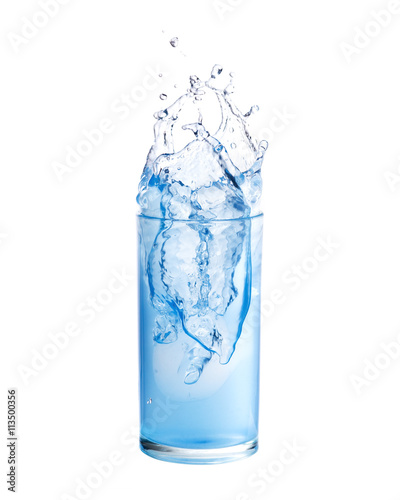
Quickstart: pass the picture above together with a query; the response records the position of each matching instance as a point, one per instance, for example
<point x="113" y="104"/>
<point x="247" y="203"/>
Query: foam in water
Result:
<point x="199" y="272"/>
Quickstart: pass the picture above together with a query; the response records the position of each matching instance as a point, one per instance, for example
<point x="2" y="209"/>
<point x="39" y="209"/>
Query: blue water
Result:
<point x="189" y="399"/>
<point x="199" y="260"/>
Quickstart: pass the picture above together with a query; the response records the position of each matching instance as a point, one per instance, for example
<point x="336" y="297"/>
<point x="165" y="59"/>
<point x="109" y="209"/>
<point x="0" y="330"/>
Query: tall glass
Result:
<point x="199" y="334"/>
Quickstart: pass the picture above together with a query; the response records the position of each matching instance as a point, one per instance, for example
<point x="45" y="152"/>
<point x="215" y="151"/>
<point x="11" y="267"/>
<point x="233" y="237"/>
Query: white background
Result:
<point x="324" y="175"/>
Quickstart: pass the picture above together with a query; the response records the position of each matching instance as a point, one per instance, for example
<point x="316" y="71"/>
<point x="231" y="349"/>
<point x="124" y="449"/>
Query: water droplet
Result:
<point x="163" y="97"/>
<point x="252" y="110"/>
<point x="218" y="148"/>
<point x="160" y="114"/>
<point x="232" y="74"/>
<point x="194" y="81"/>
<point x="174" y="41"/>
<point x="263" y="146"/>
<point x="233" y="145"/>
<point x="217" y="70"/>
<point x="149" y="401"/>
<point x="160" y="75"/>
<point x="166" y="171"/>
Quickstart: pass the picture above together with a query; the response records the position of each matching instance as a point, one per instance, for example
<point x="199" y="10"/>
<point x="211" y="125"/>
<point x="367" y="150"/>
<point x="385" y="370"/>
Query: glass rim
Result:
<point x="203" y="221"/>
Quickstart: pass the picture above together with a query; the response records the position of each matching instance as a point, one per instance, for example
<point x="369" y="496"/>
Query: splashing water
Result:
<point x="199" y="272"/>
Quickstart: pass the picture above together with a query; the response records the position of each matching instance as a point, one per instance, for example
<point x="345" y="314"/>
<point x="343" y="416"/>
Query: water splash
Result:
<point x="201" y="170"/>
<point x="211" y="165"/>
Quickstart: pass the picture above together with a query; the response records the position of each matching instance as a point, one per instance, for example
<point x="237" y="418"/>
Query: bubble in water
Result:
<point x="174" y="41"/>
<point x="217" y="70"/>
<point x="163" y="97"/>
<point x="149" y="401"/>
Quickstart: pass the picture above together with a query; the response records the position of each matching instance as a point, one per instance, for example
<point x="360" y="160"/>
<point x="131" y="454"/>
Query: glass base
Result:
<point x="198" y="456"/>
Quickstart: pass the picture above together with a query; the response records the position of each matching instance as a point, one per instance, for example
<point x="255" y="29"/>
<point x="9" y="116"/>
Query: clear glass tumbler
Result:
<point x="199" y="334"/>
